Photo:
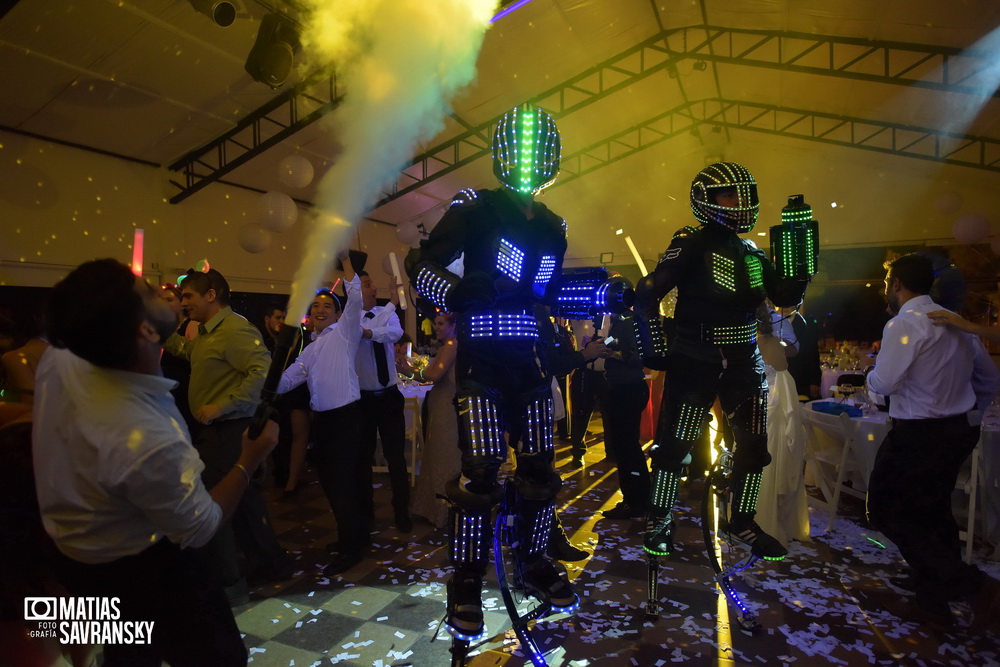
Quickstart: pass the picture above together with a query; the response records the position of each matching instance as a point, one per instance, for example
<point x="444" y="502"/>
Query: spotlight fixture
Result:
<point x="270" y="60"/>
<point x="700" y="65"/>
<point x="220" y="11"/>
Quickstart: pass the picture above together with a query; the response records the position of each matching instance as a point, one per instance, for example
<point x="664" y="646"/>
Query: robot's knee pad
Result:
<point x="474" y="496"/>
<point x="536" y="480"/>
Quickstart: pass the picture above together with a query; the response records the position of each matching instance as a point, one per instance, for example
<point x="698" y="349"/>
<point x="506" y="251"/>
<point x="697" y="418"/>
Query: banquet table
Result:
<point x="870" y="430"/>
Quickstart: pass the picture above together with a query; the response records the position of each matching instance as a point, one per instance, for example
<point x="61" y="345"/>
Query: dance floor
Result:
<point x="814" y="606"/>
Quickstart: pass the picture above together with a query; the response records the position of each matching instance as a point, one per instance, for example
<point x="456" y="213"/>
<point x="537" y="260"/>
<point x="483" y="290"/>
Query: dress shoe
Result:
<point x="280" y="570"/>
<point x="985" y="605"/>
<point x="561" y="548"/>
<point x="937" y="617"/>
<point x="342" y="563"/>
<point x="624" y="511"/>
<point x="576" y="461"/>
<point x="404" y="523"/>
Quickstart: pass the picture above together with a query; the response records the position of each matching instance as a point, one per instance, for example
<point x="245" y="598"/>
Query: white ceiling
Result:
<point x="153" y="80"/>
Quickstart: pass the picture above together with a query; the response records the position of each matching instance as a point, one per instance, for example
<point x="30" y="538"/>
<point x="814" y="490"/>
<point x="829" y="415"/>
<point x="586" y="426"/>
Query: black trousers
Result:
<point x="382" y="416"/>
<point x="623" y="405"/>
<point x="193" y="625"/>
<point x="692" y="385"/>
<point x="341" y="464"/>
<point x="586" y="387"/>
<point x="909" y="499"/>
<point x="220" y="444"/>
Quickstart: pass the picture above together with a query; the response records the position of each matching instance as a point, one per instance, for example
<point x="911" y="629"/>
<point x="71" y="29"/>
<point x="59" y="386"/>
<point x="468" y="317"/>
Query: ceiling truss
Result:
<point x="255" y="133"/>
<point x="938" y="68"/>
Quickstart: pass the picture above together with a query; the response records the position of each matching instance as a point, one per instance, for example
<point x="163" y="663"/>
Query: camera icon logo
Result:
<point x="40" y="609"/>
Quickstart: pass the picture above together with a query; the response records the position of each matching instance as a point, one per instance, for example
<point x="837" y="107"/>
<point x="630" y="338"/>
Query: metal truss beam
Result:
<point x="903" y="140"/>
<point x="920" y="65"/>
<point x="596" y="83"/>
<point x="255" y="133"/>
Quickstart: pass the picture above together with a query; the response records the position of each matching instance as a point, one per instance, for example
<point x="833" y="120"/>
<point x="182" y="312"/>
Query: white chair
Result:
<point x="830" y="457"/>
<point x="968" y="483"/>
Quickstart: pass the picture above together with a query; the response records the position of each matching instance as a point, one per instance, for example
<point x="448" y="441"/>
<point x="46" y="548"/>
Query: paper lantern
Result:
<point x="295" y="171"/>
<point x="408" y="234"/>
<point x="254" y="238"/>
<point x="276" y="211"/>
<point x="971" y="228"/>
<point x="948" y="202"/>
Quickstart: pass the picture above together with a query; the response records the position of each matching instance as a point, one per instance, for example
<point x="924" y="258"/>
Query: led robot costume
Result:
<point x="721" y="279"/>
<point x="513" y="247"/>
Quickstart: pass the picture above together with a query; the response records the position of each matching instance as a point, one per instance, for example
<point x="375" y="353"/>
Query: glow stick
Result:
<point x="137" y="238"/>
<point x="399" y="281"/>
<point x="638" y="258"/>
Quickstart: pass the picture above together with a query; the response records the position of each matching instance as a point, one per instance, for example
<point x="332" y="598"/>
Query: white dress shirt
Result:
<point x="327" y="364"/>
<point x="114" y="465"/>
<point x="931" y="371"/>
<point x="386" y="331"/>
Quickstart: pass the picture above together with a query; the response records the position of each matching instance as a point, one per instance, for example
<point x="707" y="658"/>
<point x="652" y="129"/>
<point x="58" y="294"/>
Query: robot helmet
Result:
<point x="526" y="149"/>
<point x="720" y="176"/>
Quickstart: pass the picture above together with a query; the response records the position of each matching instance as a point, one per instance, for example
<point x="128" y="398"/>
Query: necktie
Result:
<point x="381" y="363"/>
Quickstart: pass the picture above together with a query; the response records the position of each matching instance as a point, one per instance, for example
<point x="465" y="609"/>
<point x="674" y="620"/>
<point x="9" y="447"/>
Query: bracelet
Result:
<point x="244" y="470"/>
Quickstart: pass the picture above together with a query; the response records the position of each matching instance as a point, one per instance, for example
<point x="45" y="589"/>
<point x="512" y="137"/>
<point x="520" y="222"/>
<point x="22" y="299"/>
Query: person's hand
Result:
<point x="940" y="317"/>
<point x="595" y="349"/>
<point x="394" y="292"/>
<point x="207" y="413"/>
<point x="255" y="451"/>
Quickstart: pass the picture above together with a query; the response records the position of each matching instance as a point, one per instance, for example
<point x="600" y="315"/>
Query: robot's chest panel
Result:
<point x="733" y="271"/>
<point x="521" y="259"/>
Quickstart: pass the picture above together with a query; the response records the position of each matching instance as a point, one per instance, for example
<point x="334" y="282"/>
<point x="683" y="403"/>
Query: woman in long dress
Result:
<point x="782" y="505"/>
<point x="442" y="459"/>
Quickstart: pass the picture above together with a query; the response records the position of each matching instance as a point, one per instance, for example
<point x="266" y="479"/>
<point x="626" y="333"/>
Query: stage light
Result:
<point x="220" y="11"/>
<point x="700" y="65"/>
<point x="273" y="53"/>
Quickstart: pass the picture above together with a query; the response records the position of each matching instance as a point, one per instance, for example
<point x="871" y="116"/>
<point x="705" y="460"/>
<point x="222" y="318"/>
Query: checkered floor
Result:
<point x="386" y="611"/>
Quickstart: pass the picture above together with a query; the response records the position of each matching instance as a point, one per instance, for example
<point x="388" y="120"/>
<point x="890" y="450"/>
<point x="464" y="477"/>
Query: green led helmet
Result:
<point x="526" y="149"/>
<point x="719" y="176"/>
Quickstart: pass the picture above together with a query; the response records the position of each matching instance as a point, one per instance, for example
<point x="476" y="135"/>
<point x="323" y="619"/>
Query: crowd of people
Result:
<point x="147" y="480"/>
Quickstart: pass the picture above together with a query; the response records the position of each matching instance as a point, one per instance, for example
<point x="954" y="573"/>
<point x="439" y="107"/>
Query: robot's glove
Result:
<point x="475" y="291"/>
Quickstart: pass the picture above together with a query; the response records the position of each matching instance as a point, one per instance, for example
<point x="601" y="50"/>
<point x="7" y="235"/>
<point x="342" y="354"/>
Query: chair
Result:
<point x="968" y="483"/>
<point x="831" y="455"/>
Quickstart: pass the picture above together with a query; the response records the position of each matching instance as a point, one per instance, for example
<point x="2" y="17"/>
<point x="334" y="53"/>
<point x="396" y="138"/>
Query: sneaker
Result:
<point x="465" y="607"/>
<point x="747" y="533"/>
<point x="542" y="580"/>
<point x="624" y="511"/>
<point x="658" y="540"/>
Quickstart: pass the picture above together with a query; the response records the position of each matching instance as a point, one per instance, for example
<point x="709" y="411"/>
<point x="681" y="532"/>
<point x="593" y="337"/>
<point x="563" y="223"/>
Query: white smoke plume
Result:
<point x="401" y="62"/>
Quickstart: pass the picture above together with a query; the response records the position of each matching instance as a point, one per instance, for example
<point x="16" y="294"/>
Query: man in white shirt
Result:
<point x="119" y="484"/>
<point x="381" y="402"/>
<point x="327" y="366"/>
<point x="935" y="377"/>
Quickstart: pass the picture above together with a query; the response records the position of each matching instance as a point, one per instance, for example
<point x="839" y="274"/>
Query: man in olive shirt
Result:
<point x="228" y="364"/>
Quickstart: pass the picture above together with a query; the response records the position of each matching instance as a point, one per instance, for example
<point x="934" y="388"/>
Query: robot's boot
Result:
<point x="742" y="528"/>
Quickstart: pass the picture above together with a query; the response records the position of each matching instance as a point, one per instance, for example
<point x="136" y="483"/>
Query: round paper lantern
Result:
<point x="387" y="265"/>
<point x="408" y="234"/>
<point x="948" y="202"/>
<point x="254" y="238"/>
<point x="276" y="211"/>
<point x="971" y="228"/>
<point x="295" y="171"/>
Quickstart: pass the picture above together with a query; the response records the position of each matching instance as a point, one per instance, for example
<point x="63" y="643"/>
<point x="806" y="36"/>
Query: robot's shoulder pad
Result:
<point x="465" y="197"/>
<point x="752" y="247"/>
<point x="685" y="232"/>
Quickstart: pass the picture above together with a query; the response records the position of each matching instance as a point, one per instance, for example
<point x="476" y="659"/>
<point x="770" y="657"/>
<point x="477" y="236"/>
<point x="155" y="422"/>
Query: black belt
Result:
<point x="932" y="420"/>
<point x="379" y="392"/>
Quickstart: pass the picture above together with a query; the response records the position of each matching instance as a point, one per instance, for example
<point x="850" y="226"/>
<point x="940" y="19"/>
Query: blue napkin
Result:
<point x="832" y="408"/>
